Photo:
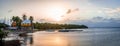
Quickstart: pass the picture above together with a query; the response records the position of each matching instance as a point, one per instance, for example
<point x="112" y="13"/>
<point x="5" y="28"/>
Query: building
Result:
<point x="13" y="26"/>
<point x="26" y="25"/>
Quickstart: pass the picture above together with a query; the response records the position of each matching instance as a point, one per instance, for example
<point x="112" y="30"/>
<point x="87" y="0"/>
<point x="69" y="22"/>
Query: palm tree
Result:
<point x="24" y="17"/>
<point x="13" y="18"/>
<point x="31" y="20"/>
<point x="17" y="20"/>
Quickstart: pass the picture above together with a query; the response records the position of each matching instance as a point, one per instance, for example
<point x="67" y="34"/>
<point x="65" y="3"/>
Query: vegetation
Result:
<point x="45" y="25"/>
<point x="57" y="26"/>
<point x="24" y="17"/>
<point x="2" y="35"/>
<point x="17" y="20"/>
<point x="2" y="25"/>
<point x="31" y="21"/>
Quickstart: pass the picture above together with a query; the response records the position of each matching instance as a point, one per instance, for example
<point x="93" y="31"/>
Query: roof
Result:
<point x="13" y="24"/>
<point x="26" y="21"/>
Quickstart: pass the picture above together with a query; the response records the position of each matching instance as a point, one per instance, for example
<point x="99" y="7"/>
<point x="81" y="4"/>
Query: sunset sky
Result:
<point x="93" y="13"/>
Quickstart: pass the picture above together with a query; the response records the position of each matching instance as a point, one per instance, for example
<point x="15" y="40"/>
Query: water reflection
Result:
<point x="50" y="40"/>
<point x="88" y="37"/>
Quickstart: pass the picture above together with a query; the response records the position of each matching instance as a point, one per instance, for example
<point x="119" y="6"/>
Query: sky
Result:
<point x="93" y="13"/>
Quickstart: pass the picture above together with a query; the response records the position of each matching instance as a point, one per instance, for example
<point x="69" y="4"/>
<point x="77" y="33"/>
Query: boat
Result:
<point x="63" y="30"/>
<point x="68" y="30"/>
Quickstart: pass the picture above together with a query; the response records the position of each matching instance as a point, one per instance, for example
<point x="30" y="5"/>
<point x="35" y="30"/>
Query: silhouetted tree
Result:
<point x="13" y="18"/>
<point x="57" y="26"/>
<point x="31" y="20"/>
<point x="2" y="25"/>
<point x="17" y="20"/>
<point x="2" y="35"/>
<point x="24" y="17"/>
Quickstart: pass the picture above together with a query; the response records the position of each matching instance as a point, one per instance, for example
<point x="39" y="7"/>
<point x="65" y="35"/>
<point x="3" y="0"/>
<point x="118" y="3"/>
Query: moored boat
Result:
<point x="68" y="30"/>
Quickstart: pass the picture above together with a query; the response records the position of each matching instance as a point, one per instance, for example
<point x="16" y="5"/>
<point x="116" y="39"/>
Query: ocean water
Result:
<point x="87" y="37"/>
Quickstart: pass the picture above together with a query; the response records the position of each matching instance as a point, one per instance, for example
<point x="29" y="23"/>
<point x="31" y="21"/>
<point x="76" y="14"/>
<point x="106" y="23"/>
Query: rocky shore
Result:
<point x="17" y="38"/>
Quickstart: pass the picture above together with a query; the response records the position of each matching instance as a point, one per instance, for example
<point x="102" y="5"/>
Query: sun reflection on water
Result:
<point x="57" y="40"/>
<point x="50" y="40"/>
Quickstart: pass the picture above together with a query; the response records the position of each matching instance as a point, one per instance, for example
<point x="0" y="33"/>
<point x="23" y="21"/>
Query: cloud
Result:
<point x="106" y="3"/>
<point x="111" y="11"/>
<point x="108" y="13"/>
<point x="10" y="10"/>
<point x="69" y="11"/>
<point x="105" y="19"/>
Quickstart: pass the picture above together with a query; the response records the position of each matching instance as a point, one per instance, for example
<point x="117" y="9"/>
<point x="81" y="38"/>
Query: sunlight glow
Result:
<point x="48" y="40"/>
<point x="56" y="13"/>
<point x="57" y="40"/>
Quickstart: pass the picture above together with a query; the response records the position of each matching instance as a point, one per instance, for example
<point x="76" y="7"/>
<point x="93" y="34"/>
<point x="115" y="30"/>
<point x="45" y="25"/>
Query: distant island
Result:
<point x="57" y="26"/>
<point x="44" y="26"/>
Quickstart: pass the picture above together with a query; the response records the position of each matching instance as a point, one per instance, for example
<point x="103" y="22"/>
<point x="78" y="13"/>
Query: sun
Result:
<point x="59" y="18"/>
<point x="56" y="13"/>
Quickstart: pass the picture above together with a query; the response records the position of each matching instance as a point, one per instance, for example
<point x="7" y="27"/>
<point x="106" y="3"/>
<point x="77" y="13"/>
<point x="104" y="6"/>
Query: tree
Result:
<point x="31" y="20"/>
<point x="24" y="17"/>
<point x="57" y="26"/>
<point x="2" y="35"/>
<point x="17" y="20"/>
<point x="13" y="18"/>
<point x="3" y="25"/>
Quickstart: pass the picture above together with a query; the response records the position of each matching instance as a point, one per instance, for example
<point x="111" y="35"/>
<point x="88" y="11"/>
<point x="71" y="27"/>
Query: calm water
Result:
<point x="87" y="37"/>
